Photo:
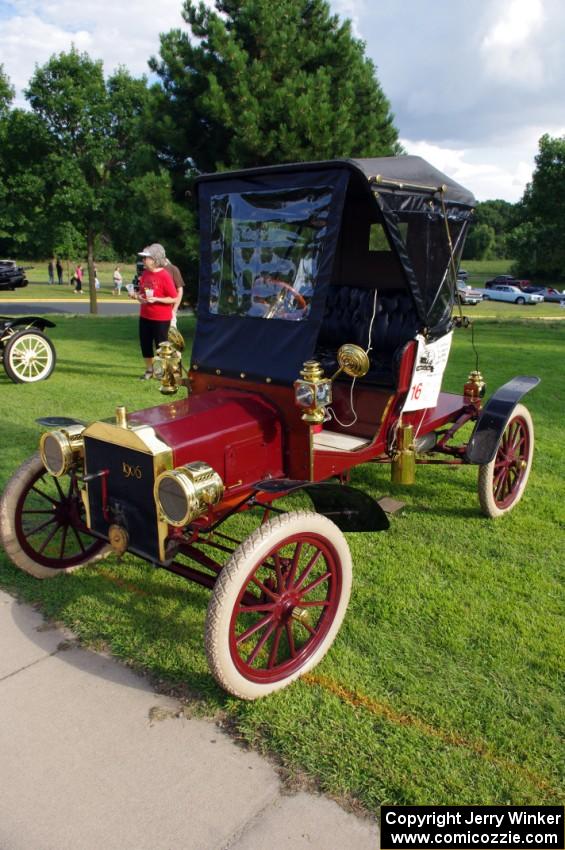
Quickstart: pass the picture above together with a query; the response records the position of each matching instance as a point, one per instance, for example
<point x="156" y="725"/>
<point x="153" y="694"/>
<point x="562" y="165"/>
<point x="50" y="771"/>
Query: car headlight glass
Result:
<point x="59" y="450"/>
<point x="186" y="493"/>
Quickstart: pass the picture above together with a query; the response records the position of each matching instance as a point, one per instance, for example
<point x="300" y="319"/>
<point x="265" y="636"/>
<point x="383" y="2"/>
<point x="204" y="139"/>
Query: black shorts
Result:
<point x="151" y="333"/>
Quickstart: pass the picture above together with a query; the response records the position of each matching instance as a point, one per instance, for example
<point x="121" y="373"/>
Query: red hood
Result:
<point x="237" y="433"/>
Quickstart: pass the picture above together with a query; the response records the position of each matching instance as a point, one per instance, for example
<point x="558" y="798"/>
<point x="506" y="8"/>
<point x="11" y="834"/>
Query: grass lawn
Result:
<point x="443" y="683"/>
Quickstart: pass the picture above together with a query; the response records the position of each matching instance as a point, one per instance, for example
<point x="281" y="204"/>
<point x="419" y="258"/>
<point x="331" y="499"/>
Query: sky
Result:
<point x="473" y="84"/>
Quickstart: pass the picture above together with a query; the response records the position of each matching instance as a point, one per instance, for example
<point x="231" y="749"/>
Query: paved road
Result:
<point x="115" y="307"/>
<point x="92" y="758"/>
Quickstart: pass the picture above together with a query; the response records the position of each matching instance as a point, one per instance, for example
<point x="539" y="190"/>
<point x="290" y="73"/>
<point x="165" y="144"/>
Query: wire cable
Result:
<point x="330" y="411"/>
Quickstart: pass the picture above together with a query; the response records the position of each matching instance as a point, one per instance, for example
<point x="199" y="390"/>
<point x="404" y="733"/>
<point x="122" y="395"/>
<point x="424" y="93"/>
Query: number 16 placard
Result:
<point x="431" y="360"/>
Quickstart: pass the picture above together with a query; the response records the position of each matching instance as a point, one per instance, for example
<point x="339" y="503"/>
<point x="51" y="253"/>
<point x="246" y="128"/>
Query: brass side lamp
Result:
<point x="313" y="390"/>
<point x="167" y="368"/>
<point x="475" y="387"/>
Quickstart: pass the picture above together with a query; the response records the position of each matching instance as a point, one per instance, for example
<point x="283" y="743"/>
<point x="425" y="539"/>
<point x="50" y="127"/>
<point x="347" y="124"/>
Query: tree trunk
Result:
<point x="91" y="274"/>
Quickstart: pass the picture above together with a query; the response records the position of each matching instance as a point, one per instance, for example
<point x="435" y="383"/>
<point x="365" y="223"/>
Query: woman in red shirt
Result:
<point x="157" y="293"/>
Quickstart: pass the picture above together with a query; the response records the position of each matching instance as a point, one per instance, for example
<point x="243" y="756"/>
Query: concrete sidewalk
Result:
<point x="91" y="757"/>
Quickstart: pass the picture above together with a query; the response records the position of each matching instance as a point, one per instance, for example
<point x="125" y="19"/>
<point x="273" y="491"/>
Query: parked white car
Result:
<point x="468" y="295"/>
<point x="511" y="293"/>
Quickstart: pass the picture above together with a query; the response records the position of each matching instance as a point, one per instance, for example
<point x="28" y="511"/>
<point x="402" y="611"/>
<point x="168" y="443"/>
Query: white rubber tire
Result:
<point x="29" y="356"/>
<point x="19" y="483"/>
<point x="488" y="503"/>
<point x="236" y="574"/>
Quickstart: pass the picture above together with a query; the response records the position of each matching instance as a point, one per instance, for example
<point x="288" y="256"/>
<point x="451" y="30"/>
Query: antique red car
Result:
<point x="324" y="325"/>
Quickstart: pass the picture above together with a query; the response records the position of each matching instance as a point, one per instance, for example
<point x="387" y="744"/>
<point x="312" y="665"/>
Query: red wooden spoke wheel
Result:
<point x="502" y="481"/>
<point x="278" y="604"/>
<point x="42" y="523"/>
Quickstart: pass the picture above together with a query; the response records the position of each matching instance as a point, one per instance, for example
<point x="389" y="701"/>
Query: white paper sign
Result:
<point x="429" y="366"/>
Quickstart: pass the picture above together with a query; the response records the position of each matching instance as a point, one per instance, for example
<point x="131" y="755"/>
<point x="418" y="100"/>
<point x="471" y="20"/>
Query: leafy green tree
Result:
<point x="6" y="92"/>
<point x="502" y="217"/>
<point x="25" y="226"/>
<point x="538" y="242"/>
<point x="96" y="143"/>
<point x="493" y="222"/>
<point x="480" y="242"/>
<point x="255" y="82"/>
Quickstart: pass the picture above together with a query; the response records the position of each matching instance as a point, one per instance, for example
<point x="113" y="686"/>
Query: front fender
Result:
<point x="494" y="417"/>
<point x="349" y="508"/>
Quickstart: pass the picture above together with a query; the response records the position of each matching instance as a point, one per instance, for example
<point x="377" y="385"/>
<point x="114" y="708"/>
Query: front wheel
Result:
<point x="29" y="356"/>
<point x="42" y="525"/>
<point x="502" y="481"/>
<point x="278" y="604"/>
<point x="520" y="301"/>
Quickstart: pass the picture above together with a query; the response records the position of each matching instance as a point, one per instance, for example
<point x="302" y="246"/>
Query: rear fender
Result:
<point x="494" y="417"/>
<point x="23" y="323"/>
<point x="349" y="508"/>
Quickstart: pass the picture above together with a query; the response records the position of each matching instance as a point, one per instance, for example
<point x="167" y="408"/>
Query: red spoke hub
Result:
<point x="304" y="587"/>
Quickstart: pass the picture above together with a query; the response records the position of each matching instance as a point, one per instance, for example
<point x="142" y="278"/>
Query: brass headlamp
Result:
<point x="186" y="493"/>
<point x="167" y="368"/>
<point x="59" y="450"/>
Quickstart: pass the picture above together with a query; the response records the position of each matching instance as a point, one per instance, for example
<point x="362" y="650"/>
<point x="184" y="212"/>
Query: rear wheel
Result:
<point x="42" y="526"/>
<point x="278" y="604"/>
<point x="502" y="481"/>
<point x="29" y="356"/>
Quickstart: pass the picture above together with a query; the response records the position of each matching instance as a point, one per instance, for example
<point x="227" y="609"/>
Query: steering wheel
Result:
<point x="299" y="298"/>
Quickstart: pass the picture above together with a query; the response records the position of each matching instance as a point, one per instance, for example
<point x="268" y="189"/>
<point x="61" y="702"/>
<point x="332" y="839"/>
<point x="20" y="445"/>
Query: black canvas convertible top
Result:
<point x="401" y="169"/>
<point x="334" y="204"/>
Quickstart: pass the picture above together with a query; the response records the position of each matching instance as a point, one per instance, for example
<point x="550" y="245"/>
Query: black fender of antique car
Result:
<point x="349" y="508"/>
<point x="494" y="417"/>
<point x="59" y="421"/>
<point x="24" y="322"/>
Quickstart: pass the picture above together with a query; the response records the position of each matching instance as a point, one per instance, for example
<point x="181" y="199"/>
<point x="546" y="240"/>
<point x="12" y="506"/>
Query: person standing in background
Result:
<point x="118" y="280"/>
<point x="59" y="267"/>
<point x="175" y="273"/>
<point x="51" y="271"/>
<point x="157" y="294"/>
<point x="78" y="279"/>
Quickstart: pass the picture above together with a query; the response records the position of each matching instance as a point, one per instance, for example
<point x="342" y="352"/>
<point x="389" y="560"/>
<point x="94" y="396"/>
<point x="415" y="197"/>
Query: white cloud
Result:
<point x="118" y="33"/>
<point x="510" y="49"/>
<point x="352" y="9"/>
<point x="514" y="28"/>
<point x="488" y="172"/>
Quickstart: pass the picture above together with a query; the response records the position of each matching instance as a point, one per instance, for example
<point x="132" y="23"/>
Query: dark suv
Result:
<point x="12" y="276"/>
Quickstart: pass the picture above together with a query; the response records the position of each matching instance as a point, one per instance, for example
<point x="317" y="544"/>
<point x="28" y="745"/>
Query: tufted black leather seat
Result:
<point x="347" y="319"/>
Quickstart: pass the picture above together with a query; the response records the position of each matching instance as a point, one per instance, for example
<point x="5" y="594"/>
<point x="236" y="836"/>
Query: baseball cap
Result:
<point x="155" y="251"/>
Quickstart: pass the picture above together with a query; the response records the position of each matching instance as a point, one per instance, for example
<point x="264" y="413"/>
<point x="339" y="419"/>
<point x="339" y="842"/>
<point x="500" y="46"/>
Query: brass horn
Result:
<point x="353" y="360"/>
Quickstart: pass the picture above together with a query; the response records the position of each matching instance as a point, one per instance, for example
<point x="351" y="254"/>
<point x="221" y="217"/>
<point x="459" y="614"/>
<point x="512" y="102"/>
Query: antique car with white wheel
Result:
<point x="325" y="319"/>
<point x="28" y="355"/>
